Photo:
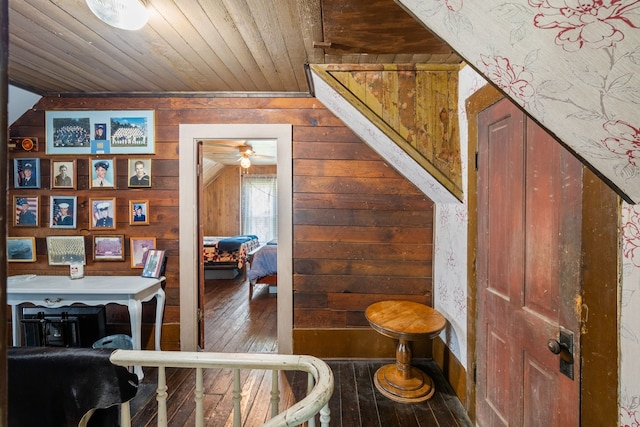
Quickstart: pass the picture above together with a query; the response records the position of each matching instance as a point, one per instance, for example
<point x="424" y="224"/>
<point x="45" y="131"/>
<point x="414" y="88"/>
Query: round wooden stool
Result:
<point x="404" y="321"/>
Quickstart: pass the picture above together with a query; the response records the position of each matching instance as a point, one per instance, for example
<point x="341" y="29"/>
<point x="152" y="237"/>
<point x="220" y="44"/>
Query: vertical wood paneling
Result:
<point x="425" y="106"/>
<point x="407" y="101"/>
<point x="452" y="151"/>
<point x="417" y="103"/>
<point x="356" y="82"/>
<point x="221" y="204"/>
<point x="390" y="104"/>
<point x="222" y="199"/>
<point x="444" y="119"/>
<point x="373" y="92"/>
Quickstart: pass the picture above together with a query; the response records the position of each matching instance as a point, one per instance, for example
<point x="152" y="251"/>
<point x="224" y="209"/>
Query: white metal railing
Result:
<point x="319" y="384"/>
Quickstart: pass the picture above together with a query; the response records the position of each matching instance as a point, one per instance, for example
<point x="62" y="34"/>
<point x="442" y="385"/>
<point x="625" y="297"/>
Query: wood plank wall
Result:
<point x="362" y="233"/>
<point x="162" y="215"/>
<point x="221" y="200"/>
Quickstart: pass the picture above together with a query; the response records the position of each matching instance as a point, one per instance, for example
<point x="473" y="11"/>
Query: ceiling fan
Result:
<point x="233" y="151"/>
<point x="246" y="151"/>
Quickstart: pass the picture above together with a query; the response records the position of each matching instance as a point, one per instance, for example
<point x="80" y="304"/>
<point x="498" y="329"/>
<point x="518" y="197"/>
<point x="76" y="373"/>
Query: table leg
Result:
<point x="403" y="359"/>
<point x="135" y="314"/>
<point x="402" y="382"/>
<point x="159" y="312"/>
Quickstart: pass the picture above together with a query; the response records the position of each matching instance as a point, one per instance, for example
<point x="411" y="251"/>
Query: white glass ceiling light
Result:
<point x="245" y="162"/>
<point x="123" y="14"/>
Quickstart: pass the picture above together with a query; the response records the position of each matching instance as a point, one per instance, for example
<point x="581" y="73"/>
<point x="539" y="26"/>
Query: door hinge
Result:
<point x="200" y="315"/>
<point x="476" y="160"/>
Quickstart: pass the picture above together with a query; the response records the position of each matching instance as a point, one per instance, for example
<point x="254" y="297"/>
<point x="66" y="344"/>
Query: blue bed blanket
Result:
<point x="264" y="263"/>
<point x="234" y="243"/>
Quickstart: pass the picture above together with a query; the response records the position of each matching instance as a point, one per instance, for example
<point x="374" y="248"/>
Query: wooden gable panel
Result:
<point x="414" y="105"/>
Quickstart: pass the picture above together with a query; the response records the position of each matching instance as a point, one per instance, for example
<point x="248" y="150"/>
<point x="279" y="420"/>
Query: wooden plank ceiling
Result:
<point x="249" y="46"/>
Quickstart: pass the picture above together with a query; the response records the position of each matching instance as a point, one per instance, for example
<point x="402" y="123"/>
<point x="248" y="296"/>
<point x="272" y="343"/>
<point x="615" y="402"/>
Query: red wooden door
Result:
<point x="528" y="270"/>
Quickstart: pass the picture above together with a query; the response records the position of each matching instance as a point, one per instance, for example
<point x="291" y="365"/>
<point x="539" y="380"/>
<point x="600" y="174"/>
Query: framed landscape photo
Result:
<point x="64" y="250"/>
<point x="140" y="247"/>
<point x="26" y="211"/>
<point x="138" y="212"/>
<point x="100" y="132"/>
<point x="154" y="264"/>
<point x="108" y="248"/>
<point x="21" y="249"/>
<point x="103" y="174"/>
<point x="63" y="211"/>
<point x="103" y="213"/>
<point x="26" y="173"/>
<point x="139" y="173"/>
<point x="63" y="174"/>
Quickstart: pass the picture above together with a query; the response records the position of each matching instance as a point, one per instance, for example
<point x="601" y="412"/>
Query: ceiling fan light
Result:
<point x="124" y="14"/>
<point x="245" y="150"/>
<point x="245" y="162"/>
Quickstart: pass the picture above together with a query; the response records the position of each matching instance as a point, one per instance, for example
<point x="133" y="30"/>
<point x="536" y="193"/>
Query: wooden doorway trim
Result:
<point x="480" y="100"/>
<point x="189" y="134"/>
<point x="4" y="88"/>
<point x="200" y="225"/>
<point x="601" y="275"/>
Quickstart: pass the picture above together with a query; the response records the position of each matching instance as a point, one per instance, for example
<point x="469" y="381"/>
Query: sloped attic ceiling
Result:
<point x="575" y="70"/>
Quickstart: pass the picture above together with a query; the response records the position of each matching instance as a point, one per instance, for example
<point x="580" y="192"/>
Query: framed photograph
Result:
<point x="140" y="247"/>
<point x="63" y="211"/>
<point x="63" y="250"/>
<point x="26" y="211"/>
<point x="21" y="249"/>
<point x="102" y="173"/>
<point x="138" y="212"/>
<point x="154" y="264"/>
<point x="103" y="213"/>
<point x="139" y="172"/>
<point x="108" y="248"/>
<point x="63" y="174"/>
<point x="100" y="132"/>
<point x="26" y="173"/>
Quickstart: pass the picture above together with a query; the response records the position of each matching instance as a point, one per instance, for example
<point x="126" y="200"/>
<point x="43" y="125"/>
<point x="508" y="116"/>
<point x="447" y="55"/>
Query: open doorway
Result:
<point x="239" y="178"/>
<point x="238" y="228"/>
<point x="189" y="245"/>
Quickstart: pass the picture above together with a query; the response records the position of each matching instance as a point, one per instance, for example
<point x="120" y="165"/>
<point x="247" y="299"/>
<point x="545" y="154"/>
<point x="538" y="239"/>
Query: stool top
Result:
<point x="405" y="319"/>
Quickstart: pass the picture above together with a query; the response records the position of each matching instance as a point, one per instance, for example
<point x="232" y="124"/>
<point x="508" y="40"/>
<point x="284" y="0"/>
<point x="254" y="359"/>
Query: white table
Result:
<point x="59" y="291"/>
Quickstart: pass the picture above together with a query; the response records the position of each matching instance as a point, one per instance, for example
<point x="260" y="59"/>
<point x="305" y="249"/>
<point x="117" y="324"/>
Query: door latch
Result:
<point x="563" y="347"/>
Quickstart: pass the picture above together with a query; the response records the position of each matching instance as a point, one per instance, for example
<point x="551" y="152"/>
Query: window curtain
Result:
<point x="260" y="206"/>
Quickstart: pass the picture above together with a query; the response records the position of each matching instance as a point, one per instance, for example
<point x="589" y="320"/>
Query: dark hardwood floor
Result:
<point x="233" y="324"/>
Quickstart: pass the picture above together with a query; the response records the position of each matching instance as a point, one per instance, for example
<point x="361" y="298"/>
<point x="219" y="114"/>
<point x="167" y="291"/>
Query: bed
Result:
<point x="228" y="253"/>
<point x="263" y="265"/>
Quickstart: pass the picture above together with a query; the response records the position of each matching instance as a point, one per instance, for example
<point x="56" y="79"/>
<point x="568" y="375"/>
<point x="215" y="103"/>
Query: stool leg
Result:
<point x="403" y="359"/>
